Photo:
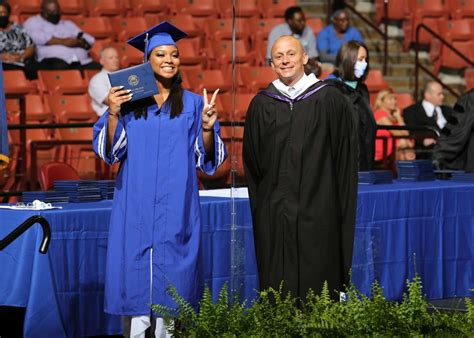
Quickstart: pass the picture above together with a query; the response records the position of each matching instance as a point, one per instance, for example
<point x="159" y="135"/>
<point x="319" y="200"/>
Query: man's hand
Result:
<point x="428" y="142"/>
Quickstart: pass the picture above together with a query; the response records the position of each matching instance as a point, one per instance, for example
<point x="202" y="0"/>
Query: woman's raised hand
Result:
<point x="117" y="96"/>
<point x="209" y="112"/>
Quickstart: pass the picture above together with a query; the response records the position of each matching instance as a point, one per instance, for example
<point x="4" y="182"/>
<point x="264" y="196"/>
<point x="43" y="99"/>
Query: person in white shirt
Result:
<point x="429" y="112"/>
<point x="99" y="85"/>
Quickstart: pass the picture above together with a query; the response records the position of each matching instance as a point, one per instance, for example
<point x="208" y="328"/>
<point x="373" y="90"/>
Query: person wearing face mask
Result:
<point x="60" y="43"/>
<point x="352" y="67"/>
<point x="16" y="46"/>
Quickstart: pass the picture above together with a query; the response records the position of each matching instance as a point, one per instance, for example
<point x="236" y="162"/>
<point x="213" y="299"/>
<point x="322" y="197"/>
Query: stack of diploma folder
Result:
<point x="375" y="177"/>
<point x="85" y="191"/>
<point x="462" y="176"/>
<point x="45" y="196"/>
<point x="417" y="170"/>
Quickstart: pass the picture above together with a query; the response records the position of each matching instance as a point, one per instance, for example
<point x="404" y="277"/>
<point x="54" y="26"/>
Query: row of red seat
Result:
<point x="200" y="8"/>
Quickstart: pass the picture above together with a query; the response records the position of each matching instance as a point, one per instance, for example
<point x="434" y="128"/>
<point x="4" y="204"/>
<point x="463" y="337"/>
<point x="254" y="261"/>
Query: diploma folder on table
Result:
<point x="139" y="79"/>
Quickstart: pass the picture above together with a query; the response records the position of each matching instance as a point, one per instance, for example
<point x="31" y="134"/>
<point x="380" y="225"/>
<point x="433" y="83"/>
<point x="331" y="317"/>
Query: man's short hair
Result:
<point x="291" y="11"/>
<point x="335" y="14"/>
<point x="428" y="85"/>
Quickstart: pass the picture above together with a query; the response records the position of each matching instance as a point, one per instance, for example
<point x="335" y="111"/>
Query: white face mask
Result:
<point x="359" y="69"/>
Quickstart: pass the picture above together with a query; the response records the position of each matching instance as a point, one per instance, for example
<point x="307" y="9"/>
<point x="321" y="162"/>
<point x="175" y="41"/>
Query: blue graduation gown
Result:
<point x="154" y="234"/>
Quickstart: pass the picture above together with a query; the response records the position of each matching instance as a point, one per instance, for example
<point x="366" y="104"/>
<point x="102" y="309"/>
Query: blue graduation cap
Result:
<point x="163" y="34"/>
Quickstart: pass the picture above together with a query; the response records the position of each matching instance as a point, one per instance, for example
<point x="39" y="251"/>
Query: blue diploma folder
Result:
<point x="139" y="79"/>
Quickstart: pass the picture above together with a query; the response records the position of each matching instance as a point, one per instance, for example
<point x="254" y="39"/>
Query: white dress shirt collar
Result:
<point x="429" y="108"/>
<point x="298" y="88"/>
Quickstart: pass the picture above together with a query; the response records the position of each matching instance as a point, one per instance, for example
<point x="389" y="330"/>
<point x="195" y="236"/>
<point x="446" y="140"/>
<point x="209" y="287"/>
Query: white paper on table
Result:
<point x="35" y="205"/>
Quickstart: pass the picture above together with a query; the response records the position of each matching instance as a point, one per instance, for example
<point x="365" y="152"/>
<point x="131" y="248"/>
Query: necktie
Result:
<point x="435" y="115"/>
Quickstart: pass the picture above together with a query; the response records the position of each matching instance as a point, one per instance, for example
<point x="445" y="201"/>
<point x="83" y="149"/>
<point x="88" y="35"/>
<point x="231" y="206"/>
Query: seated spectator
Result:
<point x="296" y="26"/>
<point x="429" y="112"/>
<point x="60" y="43"/>
<point x="387" y="113"/>
<point x="332" y="37"/>
<point x="99" y="85"/>
<point x="16" y="47"/>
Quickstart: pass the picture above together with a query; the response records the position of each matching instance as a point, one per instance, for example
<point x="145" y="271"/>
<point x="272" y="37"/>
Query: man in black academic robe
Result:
<point x="300" y="158"/>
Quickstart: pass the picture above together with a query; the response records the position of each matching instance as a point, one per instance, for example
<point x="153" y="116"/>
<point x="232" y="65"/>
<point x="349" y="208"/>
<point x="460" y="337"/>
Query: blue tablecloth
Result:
<point x="401" y="228"/>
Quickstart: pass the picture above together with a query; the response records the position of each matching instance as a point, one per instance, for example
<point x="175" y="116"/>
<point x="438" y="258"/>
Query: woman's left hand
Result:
<point x="209" y="112"/>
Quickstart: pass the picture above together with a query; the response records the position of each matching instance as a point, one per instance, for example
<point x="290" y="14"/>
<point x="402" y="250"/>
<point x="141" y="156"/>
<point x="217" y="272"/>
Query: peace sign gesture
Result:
<point x="209" y="112"/>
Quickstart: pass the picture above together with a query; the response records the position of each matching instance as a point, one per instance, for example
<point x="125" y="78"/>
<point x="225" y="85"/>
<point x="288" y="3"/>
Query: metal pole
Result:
<point x="385" y="38"/>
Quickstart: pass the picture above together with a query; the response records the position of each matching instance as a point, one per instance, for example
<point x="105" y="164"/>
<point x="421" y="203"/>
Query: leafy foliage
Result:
<point x="277" y="313"/>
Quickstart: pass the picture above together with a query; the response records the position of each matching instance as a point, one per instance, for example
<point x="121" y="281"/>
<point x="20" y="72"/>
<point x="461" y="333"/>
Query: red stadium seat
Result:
<point x="397" y="10"/>
<point x="261" y="28"/>
<point x="469" y="78"/>
<point x="275" y="8"/>
<point x="316" y="25"/>
<point x="72" y="7"/>
<point x="238" y="111"/>
<point x="243" y="9"/>
<point x="187" y="24"/>
<point x="128" y="27"/>
<point x="404" y="100"/>
<point x="221" y="54"/>
<point x="426" y="12"/>
<point x="80" y="156"/>
<point x="28" y="7"/>
<point x="209" y="79"/>
<point x="199" y="8"/>
<point x="141" y="7"/>
<point x="460" y="9"/>
<point x="219" y="29"/>
<point x="256" y="78"/>
<point x="62" y="82"/>
<point x="17" y="84"/>
<point x="55" y="171"/>
<point x="105" y="7"/>
<point x="99" y="27"/>
<point x="129" y="56"/>
<point x="71" y="108"/>
<point x="189" y="55"/>
<point x="449" y="59"/>
<point x="89" y="74"/>
<point x="375" y="81"/>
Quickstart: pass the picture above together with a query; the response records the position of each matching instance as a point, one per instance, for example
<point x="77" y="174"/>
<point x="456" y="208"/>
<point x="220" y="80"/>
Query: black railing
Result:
<point x="418" y="65"/>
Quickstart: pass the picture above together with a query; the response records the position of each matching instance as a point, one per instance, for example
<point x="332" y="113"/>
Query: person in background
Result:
<point x="60" y="43"/>
<point x="387" y="113"/>
<point x="99" y="85"/>
<point x="300" y="160"/>
<point x="352" y="67"/>
<point x="295" y="25"/>
<point x="16" y="46"/>
<point x="332" y="37"/>
<point x="429" y="112"/>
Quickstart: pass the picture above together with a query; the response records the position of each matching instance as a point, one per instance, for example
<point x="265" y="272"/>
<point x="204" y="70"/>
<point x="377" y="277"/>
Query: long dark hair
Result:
<point x="174" y="100"/>
<point x="346" y="59"/>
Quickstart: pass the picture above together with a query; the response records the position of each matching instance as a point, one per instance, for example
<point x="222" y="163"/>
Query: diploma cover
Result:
<point x="139" y="79"/>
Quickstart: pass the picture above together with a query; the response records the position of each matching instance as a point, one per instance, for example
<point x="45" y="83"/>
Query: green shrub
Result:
<point x="276" y="313"/>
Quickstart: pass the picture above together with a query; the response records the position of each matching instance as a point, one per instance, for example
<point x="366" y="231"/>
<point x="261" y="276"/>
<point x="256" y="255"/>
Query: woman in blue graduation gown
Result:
<point x="154" y="232"/>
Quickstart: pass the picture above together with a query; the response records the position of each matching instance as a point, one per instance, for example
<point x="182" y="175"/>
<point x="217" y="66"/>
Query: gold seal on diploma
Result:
<point x="133" y="80"/>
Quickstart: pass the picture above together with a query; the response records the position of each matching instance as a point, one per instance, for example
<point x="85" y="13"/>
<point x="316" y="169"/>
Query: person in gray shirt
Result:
<point x="295" y="25"/>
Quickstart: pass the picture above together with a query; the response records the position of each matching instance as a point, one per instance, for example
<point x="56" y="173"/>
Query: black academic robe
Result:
<point x="300" y="162"/>
<point x="455" y="146"/>
<point x="367" y="126"/>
